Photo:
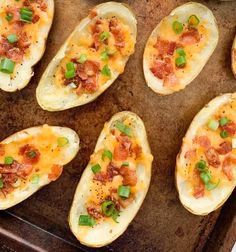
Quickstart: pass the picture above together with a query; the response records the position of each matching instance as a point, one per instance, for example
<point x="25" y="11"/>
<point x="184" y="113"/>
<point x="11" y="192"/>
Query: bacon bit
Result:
<point x="165" y="47"/>
<point x="203" y="141"/>
<point x="56" y="172"/>
<point x="112" y="171"/>
<point x="30" y="154"/>
<point x="4" y="46"/>
<point x="129" y="176"/>
<point x="8" y="169"/>
<point x="212" y="157"/>
<point x="119" y="36"/>
<point x="7" y="189"/>
<point x="43" y="6"/>
<point x="122" y="148"/>
<point x="124" y="203"/>
<point x="93" y="13"/>
<point x="96" y="30"/>
<point x="15" y="12"/>
<point x="224" y="148"/>
<point x="190" y="154"/>
<point x="170" y="80"/>
<point x="228" y="163"/>
<point x="9" y="178"/>
<point x="24" y="170"/>
<point x="137" y="151"/>
<point x="198" y="188"/>
<point x="190" y="37"/>
<point x="101" y="177"/>
<point x="230" y="128"/>
<point x="94" y="212"/>
<point x="35" y="19"/>
<point x="23" y="42"/>
<point x="2" y="150"/>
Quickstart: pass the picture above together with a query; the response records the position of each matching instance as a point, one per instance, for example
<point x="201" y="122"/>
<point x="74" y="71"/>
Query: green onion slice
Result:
<point x="104" y="55"/>
<point x="1" y="183"/>
<point x="181" y="51"/>
<point x="108" y="154"/>
<point x="177" y="27"/>
<point x="115" y="215"/>
<point x="12" y="38"/>
<point x="104" y="36"/>
<point x="8" y="160"/>
<point x="125" y="164"/>
<point x="106" y="71"/>
<point x="9" y="17"/>
<point x="108" y="207"/>
<point x="26" y="15"/>
<point x="193" y="20"/>
<point x="35" y="179"/>
<point x="86" y="220"/>
<point x="205" y="177"/>
<point x="96" y="168"/>
<point x="213" y="124"/>
<point x="124" y="191"/>
<point x="180" y="61"/>
<point x="224" y="134"/>
<point x="224" y="121"/>
<point x="123" y="128"/>
<point x="201" y="165"/>
<point x="82" y="59"/>
<point x="212" y="186"/>
<point x="32" y="154"/>
<point x="7" y="66"/>
<point x="62" y="141"/>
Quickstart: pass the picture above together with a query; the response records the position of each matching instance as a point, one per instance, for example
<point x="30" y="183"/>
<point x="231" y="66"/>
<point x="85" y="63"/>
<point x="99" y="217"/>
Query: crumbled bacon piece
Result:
<point x="30" y="154"/>
<point x="165" y="47"/>
<point x="124" y="203"/>
<point x="190" y="37"/>
<point x="116" y="30"/>
<point x="190" y="154"/>
<point x="227" y="166"/>
<point x="212" y="157"/>
<point x="122" y="148"/>
<point x="136" y="151"/>
<point x="230" y="128"/>
<point x="112" y="171"/>
<point x="203" y="141"/>
<point x="129" y="176"/>
<point x="94" y="212"/>
<point x="101" y="177"/>
<point x="35" y="19"/>
<point x="93" y="13"/>
<point x="198" y="186"/>
<point x="224" y="148"/>
<point x="96" y="30"/>
<point x="2" y="149"/>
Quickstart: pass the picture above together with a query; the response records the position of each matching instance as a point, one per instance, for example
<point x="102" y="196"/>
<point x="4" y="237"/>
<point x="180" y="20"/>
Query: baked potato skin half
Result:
<point x="33" y="158"/>
<point x="233" y="57"/>
<point x="107" y="229"/>
<point x="96" y="49"/>
<point x="30" y="39"/>
<point x="214" y="154"/>
<point x="178" y="49"/>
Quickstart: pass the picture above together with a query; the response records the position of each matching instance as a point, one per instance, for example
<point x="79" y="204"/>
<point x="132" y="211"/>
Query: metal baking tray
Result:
<point x="162" y="224"/>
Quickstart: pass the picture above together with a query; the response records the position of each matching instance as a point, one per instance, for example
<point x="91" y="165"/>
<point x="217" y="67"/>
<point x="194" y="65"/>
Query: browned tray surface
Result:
<point x="162" y="224"/>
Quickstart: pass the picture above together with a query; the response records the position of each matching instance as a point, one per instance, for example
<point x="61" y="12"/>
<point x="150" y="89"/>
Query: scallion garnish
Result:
<point x="9" y="17"/>
<point x="70" y="73"/>
<point x="124" y="191"/>
<point x="35" y="179"/>
<point x="181" y="51"/>
<point x="177" y="27"/>
<point x="213" y="124"/>
<point x="193" y="21"/>
<point x="106" y="71"/>
<point x="104" y="55"/>
<point x="205" y="177"/>
<point x="123" y="128"/>
<point x="82" y="59"/>
<point x="180" y="61"/>
<point x="212" y="186"/>
<point x="1" y="183"/>
<point x="96" y="168"/>
<point x="7" y="66"/>
<point x="224" y="134"/>
<point x="108" y="154"/>
<point x="224" y="121"/>
<point x="104" y="36"/>
<point x="32" y="154"/>
<point x="201" y="165"/>
<point x="8" y="160"/>
<point x="86" y="220"/>
<point x="26" y="15"/>
<point x="62" y="141"/>
<point x="108" y="207"/>
<point x="12" y="38"/>
<point x="125" y="164"/>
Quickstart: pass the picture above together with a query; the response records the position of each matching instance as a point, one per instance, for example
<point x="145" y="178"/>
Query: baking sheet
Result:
<point x="162" y="224"/>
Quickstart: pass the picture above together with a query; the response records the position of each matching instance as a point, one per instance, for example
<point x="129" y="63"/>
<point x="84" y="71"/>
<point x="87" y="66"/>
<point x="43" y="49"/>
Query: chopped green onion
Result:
<point x="180" y="61"/>
<point x="125" y="164"/>
<point x="62" y="141"/>
<point x="115" y="215"/>
<point x="224" y="134"/>
<point x="213" y="124"/>
<point x="193" y="20"/>
<point x="106" y="71"/>
<point x="108" y="207"/>
<point x="205" y="177"/>
<point x="224" y="121"/>
<point x="177" y="27"/>
<point x="201" y="165"/>
<point x="104" y="55"/>
<point x="70" y="74"/>
<point x="96" y="168"/>
<point x="212" y="186"/>
<point x="124" y="129"/>
<point x="70" y="66"/>
<point x="82" y="59"/>
<point x="86" y="220"/>
<point x="104" y="36"/>
<point x="181" y="51"/>
<point x="124" y="191"/>
<point x="32" y="154"/>
<point x="12" y="38"/>
<point x="108" y="154"/>
<point x="7" y="66"/>
<point x="9" y="17"/>
<point x="1" y="183"/>
<point x="26" y="15"/>
<point x="8" y="160"/>
<point x="35" y="179"/>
